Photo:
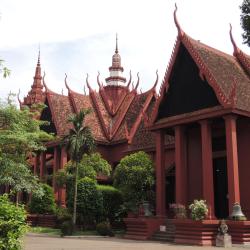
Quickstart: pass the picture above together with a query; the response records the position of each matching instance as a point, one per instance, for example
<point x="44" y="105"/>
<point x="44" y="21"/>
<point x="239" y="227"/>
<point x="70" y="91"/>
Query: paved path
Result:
<point x="97" y="243"/>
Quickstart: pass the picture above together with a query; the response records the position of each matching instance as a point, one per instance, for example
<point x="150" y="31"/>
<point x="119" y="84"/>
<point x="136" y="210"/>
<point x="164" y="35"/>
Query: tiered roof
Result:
<point x="228" y="75"/>
<point x="117" y="110"/>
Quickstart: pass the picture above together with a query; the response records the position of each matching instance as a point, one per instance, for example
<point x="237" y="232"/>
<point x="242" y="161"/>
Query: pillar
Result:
<point x="55" y="168"/>
<point x="42" y="165"/>
<point x="232" y="161"/>
<point x="160" y="174"/>
<point x="36" y="158"/>
<point x="207" y="166"/>
<point x="62" y="190"/>
<point x="180" y="166"/>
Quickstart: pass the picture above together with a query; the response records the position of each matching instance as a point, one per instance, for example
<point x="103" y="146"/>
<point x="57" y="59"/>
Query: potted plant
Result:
<point x="178" y="210"/>
<point x="199" y="210"/>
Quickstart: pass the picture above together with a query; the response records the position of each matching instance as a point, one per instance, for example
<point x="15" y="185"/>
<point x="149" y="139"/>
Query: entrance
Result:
<point x="220" y="187"/>
<point x="170" y="186"/>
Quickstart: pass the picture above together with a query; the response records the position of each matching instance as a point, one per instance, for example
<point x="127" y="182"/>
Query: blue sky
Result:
<point x="78" y="37"/>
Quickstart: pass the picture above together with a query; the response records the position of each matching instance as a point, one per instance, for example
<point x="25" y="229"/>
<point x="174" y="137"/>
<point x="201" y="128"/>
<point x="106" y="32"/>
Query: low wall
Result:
<point x="42" y="220"/>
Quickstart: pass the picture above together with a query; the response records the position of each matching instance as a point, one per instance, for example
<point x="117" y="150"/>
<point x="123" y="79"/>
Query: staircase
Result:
<point x="167" y="235"/>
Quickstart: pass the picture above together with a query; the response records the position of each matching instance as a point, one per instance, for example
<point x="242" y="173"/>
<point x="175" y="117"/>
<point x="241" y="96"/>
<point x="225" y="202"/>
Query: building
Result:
<point x="118" y="117"/>
<point x="197" y="131"/>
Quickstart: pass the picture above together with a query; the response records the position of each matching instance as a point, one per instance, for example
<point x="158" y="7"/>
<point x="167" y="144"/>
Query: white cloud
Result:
<point x="77" y="36"/>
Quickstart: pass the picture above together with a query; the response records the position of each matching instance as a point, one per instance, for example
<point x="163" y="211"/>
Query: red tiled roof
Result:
<point x="226" y="75"/>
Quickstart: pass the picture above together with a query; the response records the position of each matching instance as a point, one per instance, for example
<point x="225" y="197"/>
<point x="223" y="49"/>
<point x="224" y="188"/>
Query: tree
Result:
<point x="4" y="70"/>
<point x="245" y="21"/>
<point x="79" y="141"/>
<point x="90" y="166"/>
<point x="20" y="136"/>
<point x="134" y="176"/>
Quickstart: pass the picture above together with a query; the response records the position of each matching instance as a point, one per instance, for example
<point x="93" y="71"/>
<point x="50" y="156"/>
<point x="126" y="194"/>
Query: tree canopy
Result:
<point x="20" y="137"/>
<point x="134" y="176"/>
<point x="245" y="21"/>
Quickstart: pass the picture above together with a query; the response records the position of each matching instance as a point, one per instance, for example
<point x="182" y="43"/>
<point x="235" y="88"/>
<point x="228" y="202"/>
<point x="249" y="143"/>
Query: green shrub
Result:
<point x="89" y="202"/>
<point x="12" y="224"/>
<point x="198" y="209"/>
<point x="112" y="201"/>
<point x="104" y="229"/>
<point x="134" y="176"/>
<point x="44" y="204"/>
<point x="62" y="214"/>
<point x="67" y="228"/>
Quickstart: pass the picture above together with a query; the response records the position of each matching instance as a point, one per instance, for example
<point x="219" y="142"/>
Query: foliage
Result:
<point x="78" y="142"/>
<point x="62" y="214"/>
<point x="112" y="201"/>
<point x="134" y="176"/>
<point x="12" y="224"/>
<point x="89" y="202"/>
<point x="90" y="166"/>
<point x="245" y="21"/>
<point x="3" y="69"/>
<point x="44" y="204"/>
<point x="20" y="135"/>
<point x="104" y="228"/>
<point x="198" y="209"/>
<point x="67" y="228"/>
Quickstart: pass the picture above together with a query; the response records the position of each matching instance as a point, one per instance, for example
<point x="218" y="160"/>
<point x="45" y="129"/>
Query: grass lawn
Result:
<point x="57" y="232"/>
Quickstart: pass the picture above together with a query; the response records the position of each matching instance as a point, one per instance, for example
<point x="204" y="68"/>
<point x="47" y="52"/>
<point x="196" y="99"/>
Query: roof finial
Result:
<point x="116" y="44"/>
<point x="44" y="84"/>
<point x="66" y="83"/>
<point x="38" y="60"/>
<point x="18" y="98"/>
<point x="180" y="31"/>
<point x="232" y="40"/>
<point x="156" y="81"/>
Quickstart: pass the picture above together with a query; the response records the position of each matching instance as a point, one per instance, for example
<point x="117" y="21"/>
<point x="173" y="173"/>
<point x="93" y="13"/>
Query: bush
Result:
<point x="89" y="202"/>
<point x="104" y="229"/>
<point x="198" y="209"/>
<point x="44" y="204"/>
<point x="134" y="176"/>
<point x="67" y="228"/>
<point x="112" y="201"/>
<point x="62" y="214"/>
<point x="12" y="224"/>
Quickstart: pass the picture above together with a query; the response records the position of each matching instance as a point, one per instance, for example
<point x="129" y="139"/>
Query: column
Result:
<point x="232" y="161"/>
<point x="160" y="174"/>
<point x="55" y="168"/>
<point x="42" y="165"/>
<point x="207" y="166"/>
<point x="180" y="166"/>
<point x="62" y="190"/>
<point x="35" y="164"/>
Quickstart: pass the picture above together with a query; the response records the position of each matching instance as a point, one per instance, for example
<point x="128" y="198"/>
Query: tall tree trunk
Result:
<point x="75" y="195"/>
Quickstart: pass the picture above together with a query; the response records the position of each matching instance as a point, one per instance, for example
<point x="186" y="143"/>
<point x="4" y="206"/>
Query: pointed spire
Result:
<point x="38" y="78"/>
<point x="116" y="45"/>
<point x="236" y="50"/>
<point x="180" y="31"/>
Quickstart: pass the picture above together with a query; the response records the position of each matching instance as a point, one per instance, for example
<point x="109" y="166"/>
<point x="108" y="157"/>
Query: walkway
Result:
<point x="99" y="243"/>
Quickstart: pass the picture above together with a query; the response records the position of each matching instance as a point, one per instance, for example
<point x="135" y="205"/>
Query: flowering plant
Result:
<point x="198" y="209"/>
<point x="179" y="210"/>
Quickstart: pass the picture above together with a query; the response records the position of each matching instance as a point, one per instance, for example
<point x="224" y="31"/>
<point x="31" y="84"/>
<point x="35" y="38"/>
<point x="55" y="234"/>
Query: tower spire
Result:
<point x="116" y="78"/>
<point x="116" y="47"/>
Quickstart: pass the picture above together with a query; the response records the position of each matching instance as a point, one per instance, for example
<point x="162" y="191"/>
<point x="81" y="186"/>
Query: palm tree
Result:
<point x="79" y="141"/>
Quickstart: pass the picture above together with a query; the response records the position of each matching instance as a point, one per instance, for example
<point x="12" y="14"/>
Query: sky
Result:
<point x="78" y="37"/>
